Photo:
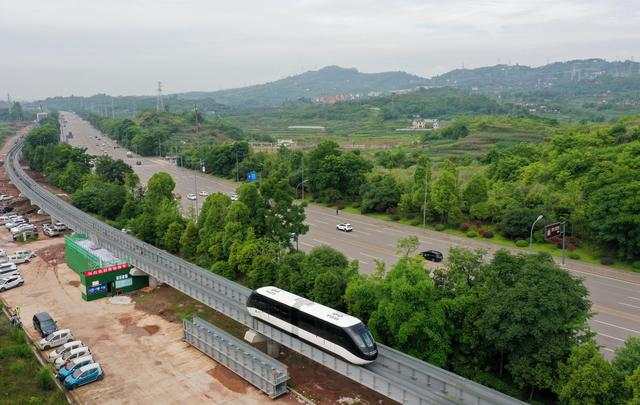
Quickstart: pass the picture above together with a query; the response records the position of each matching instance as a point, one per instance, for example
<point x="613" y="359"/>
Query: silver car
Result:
<point x="10" y="282"/>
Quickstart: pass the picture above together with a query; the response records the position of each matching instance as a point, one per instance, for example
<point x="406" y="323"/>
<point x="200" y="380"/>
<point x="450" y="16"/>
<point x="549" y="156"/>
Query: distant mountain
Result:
<point x="328" y="81"/>
<point x="501" y="78"/>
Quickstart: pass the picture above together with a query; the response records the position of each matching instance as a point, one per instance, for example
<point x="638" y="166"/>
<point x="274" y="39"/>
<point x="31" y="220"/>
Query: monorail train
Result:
<point x="323" y="327"/>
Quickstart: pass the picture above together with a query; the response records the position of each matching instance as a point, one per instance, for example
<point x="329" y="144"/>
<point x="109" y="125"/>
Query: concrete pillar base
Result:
<point x="273" y="348"/>
<point x="254" y="337"/>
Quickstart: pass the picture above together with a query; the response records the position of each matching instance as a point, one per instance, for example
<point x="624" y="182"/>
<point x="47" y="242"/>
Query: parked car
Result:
<point x="50" y="230"/>
<point x="20" y="257"/>
<point x="7" y="267"/>
<point x="5" y="208"/>
<point x="8" y="218"/>
<point x="432" y="255"/>
<point x="71" y="354"/>
<point x="60" y="226"/>
<point x="5" y="197"/>
<point x="22" y="227"/>
<point x="72" y="365"/>
<point x="12" y="281"/>
<point x="345" y="227"/>
<point x="44" y="324"/>
<point x="84" y="375"/>
<point x="55" y="339"/>
<point x="203" y="193"/>
<point x="15" y="222"/>
<point x="60" y="351"/>
<point x="191" y="196"/>
<point x="234" y="196"/>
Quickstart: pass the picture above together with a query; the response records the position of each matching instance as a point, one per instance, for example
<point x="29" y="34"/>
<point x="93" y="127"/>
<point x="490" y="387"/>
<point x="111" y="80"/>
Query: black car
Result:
<point x="44" y="324"/>
<point x="5" y="208"/>
<point x="432" y="255"/>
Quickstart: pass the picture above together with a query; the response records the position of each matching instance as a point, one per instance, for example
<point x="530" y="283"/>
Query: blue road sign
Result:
<point x="252" y="176"/>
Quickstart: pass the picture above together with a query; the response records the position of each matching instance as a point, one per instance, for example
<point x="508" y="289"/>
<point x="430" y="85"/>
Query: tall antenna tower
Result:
<point x="9" y="102"/>
<point x="159" y="102"/>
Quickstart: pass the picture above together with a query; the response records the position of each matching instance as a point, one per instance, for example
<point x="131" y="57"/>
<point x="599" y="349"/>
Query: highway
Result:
<point x="615" y="294"/>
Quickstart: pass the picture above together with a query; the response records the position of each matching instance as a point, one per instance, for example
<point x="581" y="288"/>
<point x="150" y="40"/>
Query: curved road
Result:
<point x="615" y="294"/>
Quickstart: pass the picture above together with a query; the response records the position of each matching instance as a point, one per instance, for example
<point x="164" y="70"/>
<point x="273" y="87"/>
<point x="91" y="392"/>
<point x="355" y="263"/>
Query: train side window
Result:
<point x="307" y="322"/>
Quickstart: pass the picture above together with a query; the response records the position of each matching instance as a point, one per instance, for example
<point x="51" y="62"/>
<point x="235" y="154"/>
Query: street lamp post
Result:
<point x="532" y="226"/>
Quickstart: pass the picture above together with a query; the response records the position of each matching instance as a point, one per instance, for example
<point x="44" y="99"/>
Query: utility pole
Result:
<point x="159" y="101"/>
<point x="302" y="171"/>
<point x="424" y="203"/>
<point x="195" y="110"/>
<point x="195" y="189"/>
<point x="564" y="229"/>
<point x="236" y="165"/>
<point x="113" y="111"/>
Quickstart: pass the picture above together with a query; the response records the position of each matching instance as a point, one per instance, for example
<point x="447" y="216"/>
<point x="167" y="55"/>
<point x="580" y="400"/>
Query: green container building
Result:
<point x="101" y="273"/>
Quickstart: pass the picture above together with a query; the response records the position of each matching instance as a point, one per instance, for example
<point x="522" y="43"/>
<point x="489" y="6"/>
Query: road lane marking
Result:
<point x="615" y="312"/>
<point x="629" y="305"/>
<point x="363" y="261"/>
<point x="607" y="349"/>
<point x="322" y="222"/>
<point x="601" y="276"/>
<point x="363" y="232"/>
<point x="372" y="257"/>
<point x="307" y="244"/>
<point x="616" y="326"/>
<point x="610" y="337"/>
<point x="321" y="242"/>
<point x="634" y="298"/>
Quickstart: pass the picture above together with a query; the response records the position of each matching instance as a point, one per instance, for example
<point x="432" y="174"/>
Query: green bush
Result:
<point x="21" y="350"/>
<point x="636" y="266"/>
<point x="439" y="227"/>
<point x="45" y="379"/>
<point x="471" y="233"/>
<point x="17" y="367"/>
<point x="574" y="256"/>
<point x="487" y="234"/>
<point x="521" y="243"/>
<point x="606" y="260"/>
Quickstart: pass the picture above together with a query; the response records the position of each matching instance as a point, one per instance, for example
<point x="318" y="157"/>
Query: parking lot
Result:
<point x="143" y="356"/>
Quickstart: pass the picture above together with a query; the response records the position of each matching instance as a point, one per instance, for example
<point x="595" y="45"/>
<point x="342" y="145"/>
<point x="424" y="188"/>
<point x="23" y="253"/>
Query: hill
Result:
<point x="328" y="81"/>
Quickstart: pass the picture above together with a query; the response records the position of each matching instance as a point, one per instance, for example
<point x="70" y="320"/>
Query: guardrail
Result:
<point x="394" y="374"/>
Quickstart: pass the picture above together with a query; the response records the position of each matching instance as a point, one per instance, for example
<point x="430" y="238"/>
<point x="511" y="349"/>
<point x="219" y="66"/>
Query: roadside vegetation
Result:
<point x="22" y="379"/>
<point x="517" y="323"/>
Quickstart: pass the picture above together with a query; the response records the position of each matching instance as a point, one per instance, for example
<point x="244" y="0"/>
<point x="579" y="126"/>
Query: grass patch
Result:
<point x="22" y="379"/>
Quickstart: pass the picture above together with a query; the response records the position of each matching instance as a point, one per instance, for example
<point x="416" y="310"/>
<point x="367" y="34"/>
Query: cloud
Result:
<point x="123" y="47"/>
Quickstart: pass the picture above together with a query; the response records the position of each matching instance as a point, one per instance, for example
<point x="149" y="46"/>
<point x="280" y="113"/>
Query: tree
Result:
<point x="475" y="192"/>
<point x="114" y="171"/>
<point x="408" y="316"/>
<point x="100" y="197"/>
<point x="171" y="240"/>
<point x="586" y="377"/>
<point x="189" y="241"/>
<point x="527" y="315"/>
<point x="380" y="194"/>
<point x="516" y="222"/>
<point x="445" y="198"/>
<point x="632" y="383"/>
<point x="627" y="357"/>
<point x="159" y="186"/>
<point x="407" y="246"/>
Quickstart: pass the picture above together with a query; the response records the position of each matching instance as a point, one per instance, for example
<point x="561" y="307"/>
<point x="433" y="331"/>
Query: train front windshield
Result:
<point x="362" y="337"/>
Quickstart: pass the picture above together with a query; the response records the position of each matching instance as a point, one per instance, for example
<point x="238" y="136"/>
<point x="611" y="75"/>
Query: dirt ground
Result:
<point x="143" y="356"/>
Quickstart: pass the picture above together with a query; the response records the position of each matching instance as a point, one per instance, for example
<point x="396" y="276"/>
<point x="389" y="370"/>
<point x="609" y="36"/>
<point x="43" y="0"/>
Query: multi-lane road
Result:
<point x="615" y="294"/>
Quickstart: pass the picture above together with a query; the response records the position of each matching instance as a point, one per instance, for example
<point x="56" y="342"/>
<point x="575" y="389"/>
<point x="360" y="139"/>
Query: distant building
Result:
<point x="307" y="127"/>
<point x="425" y="123"/>
<point x="41" y="116"/>
<point x="287" y="143"/>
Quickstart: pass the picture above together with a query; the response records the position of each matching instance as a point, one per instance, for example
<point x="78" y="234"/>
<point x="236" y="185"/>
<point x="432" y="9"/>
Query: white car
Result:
<point x="22" y="227"/>
<point x="62" y="350"/>
<point x="346" y="227"/>
<point x="15" y="222"/>
<point x="8" y="218"/>
<point x="234" y="196"/>
<point x="71" y="354"/>
<point x="55" y="339"/>
<point x="50" y="230"/>
<point x="203" y="193"/>
<point x="10" y="282"/>
<point x="191" y="196"/>
<point x="21" y="256"/>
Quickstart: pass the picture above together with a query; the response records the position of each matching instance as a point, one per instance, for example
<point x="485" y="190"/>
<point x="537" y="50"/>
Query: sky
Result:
<point x="84" y="47"/>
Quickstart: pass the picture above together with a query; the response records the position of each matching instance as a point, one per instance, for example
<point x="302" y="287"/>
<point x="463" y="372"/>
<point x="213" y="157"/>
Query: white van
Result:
<point x="71" y="354"/>
<point x="62" y="350"/>
<point x="21" y="256"/>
